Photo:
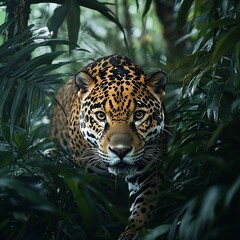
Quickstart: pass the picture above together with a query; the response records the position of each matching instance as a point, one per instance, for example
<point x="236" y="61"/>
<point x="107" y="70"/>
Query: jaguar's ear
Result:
<point x="157" y="82"/>
<point x="83" y="81"/>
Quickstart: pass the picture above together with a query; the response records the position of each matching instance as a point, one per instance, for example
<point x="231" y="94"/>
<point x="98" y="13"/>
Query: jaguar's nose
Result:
<point x="120" y="151"/>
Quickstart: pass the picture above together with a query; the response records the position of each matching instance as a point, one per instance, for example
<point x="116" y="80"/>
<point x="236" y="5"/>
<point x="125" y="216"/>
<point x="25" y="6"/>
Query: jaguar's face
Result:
<point x="121" y="116"/>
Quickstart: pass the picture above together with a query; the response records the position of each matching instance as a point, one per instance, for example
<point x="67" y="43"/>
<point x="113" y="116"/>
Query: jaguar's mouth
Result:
<point x="122" y="169"/>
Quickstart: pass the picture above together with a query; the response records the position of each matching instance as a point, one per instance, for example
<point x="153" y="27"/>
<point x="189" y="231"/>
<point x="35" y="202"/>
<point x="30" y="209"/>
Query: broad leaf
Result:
<point x="73" y="21"/>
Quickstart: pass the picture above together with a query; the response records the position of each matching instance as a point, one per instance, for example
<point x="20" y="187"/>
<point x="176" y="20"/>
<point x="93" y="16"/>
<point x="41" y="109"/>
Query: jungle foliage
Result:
<point x="43" y="196"/>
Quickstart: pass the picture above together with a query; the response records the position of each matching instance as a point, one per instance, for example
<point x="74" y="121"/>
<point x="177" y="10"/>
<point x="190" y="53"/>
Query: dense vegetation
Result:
<point x="43" y="196"/>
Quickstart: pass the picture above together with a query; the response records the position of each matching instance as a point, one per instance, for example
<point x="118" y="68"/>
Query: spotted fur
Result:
<point x="110" y="116"/>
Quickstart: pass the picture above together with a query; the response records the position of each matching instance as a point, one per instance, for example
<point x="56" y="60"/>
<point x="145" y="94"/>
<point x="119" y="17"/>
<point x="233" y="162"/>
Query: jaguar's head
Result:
<point x="121" y="113"/>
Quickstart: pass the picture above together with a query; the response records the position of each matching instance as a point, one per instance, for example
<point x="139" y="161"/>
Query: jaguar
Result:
<point x="110" y="116"/>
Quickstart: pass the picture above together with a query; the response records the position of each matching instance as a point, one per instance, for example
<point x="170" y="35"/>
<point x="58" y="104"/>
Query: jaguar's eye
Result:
<point x="139" y="115"/>
<point x="100" y="116"/>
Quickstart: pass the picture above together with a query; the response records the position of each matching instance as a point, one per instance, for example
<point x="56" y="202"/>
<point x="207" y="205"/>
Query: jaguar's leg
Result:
<point x="143" y="194"/>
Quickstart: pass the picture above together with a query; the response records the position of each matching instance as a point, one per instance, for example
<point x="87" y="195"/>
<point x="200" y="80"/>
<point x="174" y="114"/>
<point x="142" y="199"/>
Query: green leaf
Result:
<point x="189" y="59"/>
<point x="73" y="21"/>
<point x="6" y="155"/>
<point x="157" y="232"/>
<point x="137" y="3"/>
<point x="29" y="194"/>
<point x="19" y="58"/>
<point x="5" y="131"/>
<point x="225" y="112"/>
<point x="80" y="197"/>
<point x="45" y="59"/>
<point x="5" y="88"/>
<point x="147" y="7"/>
<point x="237" y="55"/>
<point x="216" y="134"/>
<point x="31" y="94"/>
<point x="5" y="26"/>
<point x="183" y="13"/>
<point x="56" y="20"/>
<point x="232" y="192"/>
<point x="105" y="11"/>
<point x="16" y="105"/>
<point x="193" y="84"/>
<point x="209" y="203"/>
<point x="229" y="39"/>
<point x="213" y="99"/>
<point x="4" y="147"/>
<point x="185" y="230"/>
